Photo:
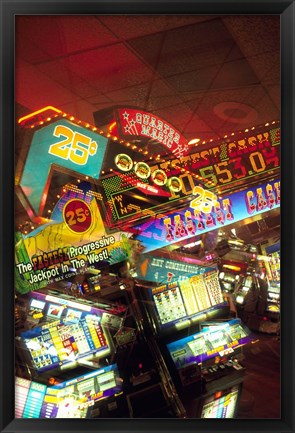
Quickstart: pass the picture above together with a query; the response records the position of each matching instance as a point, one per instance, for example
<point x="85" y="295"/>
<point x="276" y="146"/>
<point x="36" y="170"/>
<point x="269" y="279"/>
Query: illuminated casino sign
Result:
<point x="178" y="226"/>
<point x="135" y="190"/>
<point x="161" y="269"/>
<point x="138" y="123"/>
<point x="60" y="145"/>
<point x="73" y="240"/>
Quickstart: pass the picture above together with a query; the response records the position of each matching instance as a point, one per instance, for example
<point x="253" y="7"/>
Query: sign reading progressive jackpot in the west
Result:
<point x="66" y="145"/>
<point x="205" y="215"/>
<point x="138" y="189"/>
<point x="73" y="241"/>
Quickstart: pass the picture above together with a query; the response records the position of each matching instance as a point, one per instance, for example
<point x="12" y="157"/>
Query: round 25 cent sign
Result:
<point x="77" y="216"/>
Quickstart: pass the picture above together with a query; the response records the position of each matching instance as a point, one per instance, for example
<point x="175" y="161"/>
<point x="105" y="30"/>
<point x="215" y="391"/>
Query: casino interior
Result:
<point x="147" y="216"/>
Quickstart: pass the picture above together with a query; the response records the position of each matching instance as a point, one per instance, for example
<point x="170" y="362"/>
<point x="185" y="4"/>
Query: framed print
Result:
<point x="146" y="257"/>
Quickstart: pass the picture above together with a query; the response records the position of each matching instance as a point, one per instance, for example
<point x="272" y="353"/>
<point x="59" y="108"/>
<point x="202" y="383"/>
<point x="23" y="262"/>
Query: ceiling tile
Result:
<point x="59" y="71"/>
<point x="135" y="94"/>
<point x="178" y="115"/>
<point x="109" y="70"/>
<point x="234" y="74"/>
<point x="197" y="124"/>
<point x="132" y="26"/>
<point x="28" y="50"/>
<point x="200" y="80"/>
<point x="185" y="49"/>
<point x="61" y="35"/>
<point x="265" y="106"/>
<point x="255" y="34"/>
<point x="179" y="67"/>
<point x="266" y="66"/>
<point x="35" y="90"/>
<point x="274" y="93"/>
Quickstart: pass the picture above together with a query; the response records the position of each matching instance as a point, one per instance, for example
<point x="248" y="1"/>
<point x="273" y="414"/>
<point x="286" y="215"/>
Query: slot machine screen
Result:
<point x="61" y="342"/>
<point x="54" y="311"/>
<point x="29" y="398"/>
<point x="36" y="310"/>
<point x="199" y="346"/>
<point x="22" y="387"/>
<point x="72" y="398"/>
<point x="36" y="305"/>
<point x="177" y="301"/>
<point x="73" y="315"/>
<point x="248" y="282"/>
<point x="222" y="404"/>
<point x="169" y="303"/>
<point x="218" y="338"/>
<point x="209" y="342"/>
<point x="273" y="308"/>
<point x="273" y="298"/>
<point x="227" y="286"/>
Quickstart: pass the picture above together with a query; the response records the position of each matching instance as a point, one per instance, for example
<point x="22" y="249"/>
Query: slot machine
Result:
<point x="71" y="337"/>
<point x="177" y="305"/>
<point x="67" y="352"/>
<point x="221" y="404"/>
<point x="66" y="334"/>
<point x="75" y="397"/>
<point x="246" y="294"/>
<point x="273" y="300"/>
<point x="212" y="359"/>
<point x="229" y="281"/>
<point x="65" y="331"/>
<point x="175" y="314"/>
<point x="72" y="398"/>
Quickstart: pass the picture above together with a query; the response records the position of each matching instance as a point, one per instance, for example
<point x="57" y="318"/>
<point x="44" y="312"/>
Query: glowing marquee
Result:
<point x="224" y="167"/>
<point x="189" y="222"/>
<point x="61" y="144"/>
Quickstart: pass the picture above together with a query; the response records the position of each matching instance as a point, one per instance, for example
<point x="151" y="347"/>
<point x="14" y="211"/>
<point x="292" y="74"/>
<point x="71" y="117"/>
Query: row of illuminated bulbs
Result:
<point x="194" y="141"/>
<point x="24" y="228"/>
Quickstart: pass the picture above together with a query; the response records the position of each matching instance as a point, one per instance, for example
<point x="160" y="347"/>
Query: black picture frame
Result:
<point x="286" y="10"/>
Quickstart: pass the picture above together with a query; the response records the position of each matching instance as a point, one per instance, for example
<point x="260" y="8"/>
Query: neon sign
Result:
<point x="64" y="145"/>
<point x="175" y="227"/>
<point x="224" y="166"/>
<point x="164" y="270"/>
<point x="139" y="123"/>
<point x="76" y="147"/>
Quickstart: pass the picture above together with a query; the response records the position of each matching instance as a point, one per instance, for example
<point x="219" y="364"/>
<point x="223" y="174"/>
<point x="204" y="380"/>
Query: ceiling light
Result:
<point x="194" y="141"/>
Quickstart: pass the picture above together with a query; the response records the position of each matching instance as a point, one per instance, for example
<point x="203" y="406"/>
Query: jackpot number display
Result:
<point x="240" y="167"/>
<point x="123" y="204"/>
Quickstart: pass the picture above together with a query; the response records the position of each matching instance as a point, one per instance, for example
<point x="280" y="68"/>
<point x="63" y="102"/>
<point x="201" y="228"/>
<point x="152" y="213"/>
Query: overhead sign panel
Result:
<point x="65" y="144"/>
<point x="178" y="226"/>
<point x="137" y="189"/>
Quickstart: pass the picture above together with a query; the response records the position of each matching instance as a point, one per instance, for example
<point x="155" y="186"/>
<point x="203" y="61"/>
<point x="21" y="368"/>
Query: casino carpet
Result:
<point x="261" y="390"/>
